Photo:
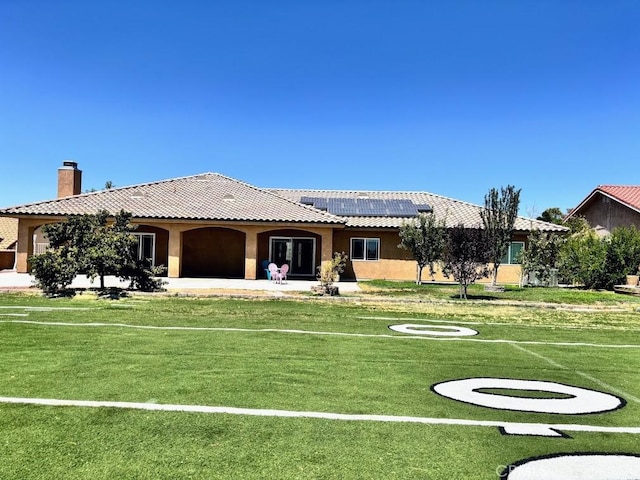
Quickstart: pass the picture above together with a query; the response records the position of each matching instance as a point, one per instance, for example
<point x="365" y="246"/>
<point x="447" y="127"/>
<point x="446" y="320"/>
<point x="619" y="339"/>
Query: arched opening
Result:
<point x="213" y="252"/>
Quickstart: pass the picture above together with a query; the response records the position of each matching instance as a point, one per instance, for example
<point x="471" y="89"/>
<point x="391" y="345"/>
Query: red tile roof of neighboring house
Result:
<point x="8" y="233"/>
<point x="628" y="195"/>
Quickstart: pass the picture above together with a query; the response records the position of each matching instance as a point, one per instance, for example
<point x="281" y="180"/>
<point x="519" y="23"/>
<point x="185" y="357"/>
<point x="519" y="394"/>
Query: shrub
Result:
<point x="53" y="271"/>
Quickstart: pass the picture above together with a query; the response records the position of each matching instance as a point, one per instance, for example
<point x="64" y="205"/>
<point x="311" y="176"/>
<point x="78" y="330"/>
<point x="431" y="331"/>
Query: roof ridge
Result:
<point x="308" y="207"/>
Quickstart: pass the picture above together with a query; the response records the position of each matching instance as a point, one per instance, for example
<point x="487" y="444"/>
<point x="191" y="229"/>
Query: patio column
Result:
<point x="327" y="245"/>
<point x="24" y="249"/>
<point x="250" y="254"/>
<point x="175" y="251"/>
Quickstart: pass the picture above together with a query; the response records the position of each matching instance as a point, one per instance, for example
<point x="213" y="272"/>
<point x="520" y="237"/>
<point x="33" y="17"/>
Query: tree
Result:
<point x="542" y="254"/>
<point x="424" y="238"/>
<point x="582" y="257"/>
<point x="93" y="245"/>
<point x="465" y="256"/>
<point x="498" y="217"/>
<point x="622" y="256"/>
<point x="108" y="248"/>
<point x="552" y="215"/>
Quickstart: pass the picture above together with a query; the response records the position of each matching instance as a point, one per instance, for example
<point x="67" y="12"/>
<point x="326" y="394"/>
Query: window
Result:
<point x="146" y="248"/>
<point x="365" y="249"/>
<point x="513" y="254"/>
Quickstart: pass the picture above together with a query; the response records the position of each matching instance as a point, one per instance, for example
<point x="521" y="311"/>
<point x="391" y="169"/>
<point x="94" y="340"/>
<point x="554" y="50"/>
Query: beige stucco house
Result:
<point x="210" y="225"/>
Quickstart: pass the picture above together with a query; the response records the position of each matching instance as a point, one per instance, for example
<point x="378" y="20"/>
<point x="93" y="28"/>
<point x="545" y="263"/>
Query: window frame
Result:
<point x="365" y="250"/>
<point x="139" y="246"/>
<point x="509" y="256"/>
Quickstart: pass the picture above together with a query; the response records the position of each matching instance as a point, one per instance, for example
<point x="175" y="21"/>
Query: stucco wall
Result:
<point x="398" y="264"/>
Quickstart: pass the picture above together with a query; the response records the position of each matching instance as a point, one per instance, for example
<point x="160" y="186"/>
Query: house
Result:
<point x="610" y="206"/>
<point x="210" y="225"/>
<point x="8" y="242"/>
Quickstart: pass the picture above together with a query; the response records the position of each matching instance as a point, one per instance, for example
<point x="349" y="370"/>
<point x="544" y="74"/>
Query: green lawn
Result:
<point x="299" y="356"/>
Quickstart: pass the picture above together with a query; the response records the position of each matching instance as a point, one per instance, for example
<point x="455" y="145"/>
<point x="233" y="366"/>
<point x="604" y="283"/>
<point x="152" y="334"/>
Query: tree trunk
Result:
<point x="419" y="279"/>
<point x="494" y="276"/>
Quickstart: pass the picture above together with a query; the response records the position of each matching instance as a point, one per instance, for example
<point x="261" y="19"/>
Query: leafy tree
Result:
<point x="622" y="257"/>
<point x="552" y="215"/>
<point x="542" y="254"/>
<point x="582" y="257"/>
<point x="498" y="217"/>
<point x="465" y="256"/>
<point x="424" y="238"/>
<point x="92" y="245"/>
<point x="600" y="262"/>
<point x="577" y="225"/>
<point x="108" y="248"/>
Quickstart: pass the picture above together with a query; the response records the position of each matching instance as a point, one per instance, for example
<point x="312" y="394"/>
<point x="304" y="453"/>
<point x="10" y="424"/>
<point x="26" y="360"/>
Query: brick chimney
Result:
<point x="69" y="179"/>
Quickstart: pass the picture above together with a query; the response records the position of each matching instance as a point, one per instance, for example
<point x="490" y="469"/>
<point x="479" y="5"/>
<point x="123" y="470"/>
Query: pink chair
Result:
<point x="284" y="269"/>
<point x="273" y="270"/>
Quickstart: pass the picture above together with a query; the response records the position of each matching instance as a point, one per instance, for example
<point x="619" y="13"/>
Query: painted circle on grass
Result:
<point x="576" y="466"/>
<point x="435" y="330"/>
<point x="577" y="400"/>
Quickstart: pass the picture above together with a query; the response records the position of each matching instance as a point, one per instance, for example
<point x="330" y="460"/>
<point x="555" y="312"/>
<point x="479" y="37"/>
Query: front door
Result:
<point x="298" y="252"/>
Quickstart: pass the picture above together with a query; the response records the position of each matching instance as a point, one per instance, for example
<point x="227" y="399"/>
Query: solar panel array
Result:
<point x="367" y="207"/>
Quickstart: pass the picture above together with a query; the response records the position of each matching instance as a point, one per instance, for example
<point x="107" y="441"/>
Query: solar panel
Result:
<point x="366" y="207"/>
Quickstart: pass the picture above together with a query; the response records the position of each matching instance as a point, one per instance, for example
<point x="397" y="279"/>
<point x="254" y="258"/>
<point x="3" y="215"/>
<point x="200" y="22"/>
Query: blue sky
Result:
<point x="451" y="97"/>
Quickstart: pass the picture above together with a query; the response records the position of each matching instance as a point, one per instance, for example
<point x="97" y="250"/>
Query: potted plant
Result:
<point x="328" y="273"/>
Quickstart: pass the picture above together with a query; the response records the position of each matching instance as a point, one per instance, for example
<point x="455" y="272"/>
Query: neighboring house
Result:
<point x="8" y="242"/>
<point x="610" y="206"/>
<point x="210" y="225"/>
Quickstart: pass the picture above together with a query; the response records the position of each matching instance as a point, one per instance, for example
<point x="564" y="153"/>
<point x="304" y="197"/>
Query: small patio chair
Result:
<point x="265" y="267"/>
<point x="273" y="272"/>
<point x="284" y="269"/>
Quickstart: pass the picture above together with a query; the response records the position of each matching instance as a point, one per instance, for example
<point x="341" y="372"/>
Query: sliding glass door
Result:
<point x="298" y="252"/>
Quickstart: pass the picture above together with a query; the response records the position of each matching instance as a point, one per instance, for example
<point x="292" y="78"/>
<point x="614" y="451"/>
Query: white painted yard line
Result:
<point x="14" y="314"/>
<point x="506" y="324"/>
<point x="308" y="414"/>
<point x="611" y="388"/>
<point x="312" y="332"/>
<point x="541" y="357"/>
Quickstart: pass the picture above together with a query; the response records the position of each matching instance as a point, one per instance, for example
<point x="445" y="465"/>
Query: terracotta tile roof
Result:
<point x="454" y="211"/>
<point x="8" y="233"/>
<point x="209" y="196"/>
<point x="627" y="194"/>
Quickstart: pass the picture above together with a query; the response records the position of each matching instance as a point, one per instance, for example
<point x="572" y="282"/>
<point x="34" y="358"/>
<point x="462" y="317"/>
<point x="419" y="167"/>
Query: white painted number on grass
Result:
<point x="574" y="400"/>
<point x="578" y="466"/>
<point x="435" y="330"/>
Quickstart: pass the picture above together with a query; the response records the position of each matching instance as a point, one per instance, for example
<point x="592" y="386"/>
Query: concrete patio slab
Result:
<point x="11" y="280"/>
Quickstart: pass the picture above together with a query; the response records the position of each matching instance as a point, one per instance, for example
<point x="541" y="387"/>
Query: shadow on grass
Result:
<point x="474" y="297"/>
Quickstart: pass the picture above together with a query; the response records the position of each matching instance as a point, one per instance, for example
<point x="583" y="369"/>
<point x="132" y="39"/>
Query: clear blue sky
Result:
<point x="451" y="97"/>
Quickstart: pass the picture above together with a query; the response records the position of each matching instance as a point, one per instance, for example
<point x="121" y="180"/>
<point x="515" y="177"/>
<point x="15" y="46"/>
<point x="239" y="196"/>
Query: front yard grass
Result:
<point x="295" y="355"/>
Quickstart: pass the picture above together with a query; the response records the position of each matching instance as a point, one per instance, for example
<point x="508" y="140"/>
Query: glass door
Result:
<point x="298" y="252"/>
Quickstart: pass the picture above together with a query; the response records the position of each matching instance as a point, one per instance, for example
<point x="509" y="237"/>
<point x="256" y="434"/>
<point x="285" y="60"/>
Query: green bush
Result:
<point x="53" y="271"/>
